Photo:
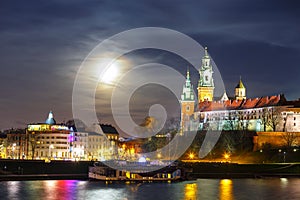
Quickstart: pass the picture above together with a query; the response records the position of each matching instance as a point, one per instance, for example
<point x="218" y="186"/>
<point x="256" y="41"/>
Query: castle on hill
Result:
<point x="268" y="113"/>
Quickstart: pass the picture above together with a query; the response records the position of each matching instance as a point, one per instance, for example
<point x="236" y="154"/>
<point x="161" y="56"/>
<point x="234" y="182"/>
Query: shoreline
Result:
<point x="15" y="170"/>
<point x="84" y="177"/>
<point x="36" y="177"/>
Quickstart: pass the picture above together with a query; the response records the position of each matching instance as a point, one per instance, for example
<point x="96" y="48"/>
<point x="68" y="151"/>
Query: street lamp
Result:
<point x="226" y="156"/>
<point x="159" y="155"/>
<point x="191" y="156"/>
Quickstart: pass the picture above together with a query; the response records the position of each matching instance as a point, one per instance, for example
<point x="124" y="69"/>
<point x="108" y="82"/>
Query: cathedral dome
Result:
<point x="50" y="120"/>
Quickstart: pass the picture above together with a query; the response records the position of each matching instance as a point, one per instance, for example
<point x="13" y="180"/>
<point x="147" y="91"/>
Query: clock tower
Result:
<point x="206" y="82"/>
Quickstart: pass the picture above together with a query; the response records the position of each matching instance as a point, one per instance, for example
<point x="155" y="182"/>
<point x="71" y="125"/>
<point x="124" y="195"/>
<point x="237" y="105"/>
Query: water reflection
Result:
<point x="13" y="188"/>
<point x="190" y="191"/>
<point x="284" y="182"/>
<point x="271" y="188"/>
<point x="60" y="189"/>
<point x="226" y="189"/>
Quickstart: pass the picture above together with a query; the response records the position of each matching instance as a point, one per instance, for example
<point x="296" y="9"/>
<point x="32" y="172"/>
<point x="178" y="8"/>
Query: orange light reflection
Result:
<point x="226" y="189"/>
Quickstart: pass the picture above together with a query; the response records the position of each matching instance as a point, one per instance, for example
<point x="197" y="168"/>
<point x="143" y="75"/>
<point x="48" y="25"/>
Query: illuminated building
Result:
<point x="3" y="145"/>
<point x="264" y="114"/>
<point x="187" y="101"/>
<point x="206" y="81"/>
<point x="79" y="144"/>
<point x="49" y="140"/>
<point x="97" y="147"/>
<point x="16" y="144"/>
<point x="112" y="135"/>
<point x="57" y="141"/>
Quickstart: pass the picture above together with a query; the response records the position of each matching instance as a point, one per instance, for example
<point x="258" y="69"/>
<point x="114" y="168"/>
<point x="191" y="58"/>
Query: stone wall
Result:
<point x="275" y="139"/>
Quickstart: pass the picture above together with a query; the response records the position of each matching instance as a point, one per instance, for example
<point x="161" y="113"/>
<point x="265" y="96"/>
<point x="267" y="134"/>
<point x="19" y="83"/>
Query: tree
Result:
<point x="33" y="141"/>
<point x="228" y="142"/>
<point x="264" y="118"/>
<point x="289" y="138"/>
<point x="153" y="143"/>
<point x="274" y="117"/>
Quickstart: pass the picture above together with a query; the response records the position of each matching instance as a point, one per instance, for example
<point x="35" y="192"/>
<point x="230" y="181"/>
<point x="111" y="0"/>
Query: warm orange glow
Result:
<point x="132" y="151"/>
<point x="191" y="155"/>
<point x="159" y="155"/>
<point x="190" y="191"/>
<point x="226" y="156"/>
<point x="226" y="189"/>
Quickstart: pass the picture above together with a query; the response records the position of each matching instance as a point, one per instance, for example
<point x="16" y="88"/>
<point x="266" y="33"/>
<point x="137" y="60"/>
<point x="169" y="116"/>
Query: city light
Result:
<point x="142" y="159"/>
<point x="226" y="156"/>
<point x="159" y="155"/>
<point x="191" y="155"/>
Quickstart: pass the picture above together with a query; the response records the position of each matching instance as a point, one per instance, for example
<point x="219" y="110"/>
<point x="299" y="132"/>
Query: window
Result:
<point x="188" y="108"/>
<point x="206" y="78"/>
<point x="294" y="124"/>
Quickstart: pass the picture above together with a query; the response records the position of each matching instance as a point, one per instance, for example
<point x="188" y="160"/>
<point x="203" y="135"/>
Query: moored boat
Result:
<point x="102" y="172"/>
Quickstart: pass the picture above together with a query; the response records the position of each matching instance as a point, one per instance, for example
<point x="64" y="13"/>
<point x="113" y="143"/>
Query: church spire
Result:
<point x="240" y="84"/>
<point x="240" y="90"/>
<point x="187" y="92"/>
<point x="205" y="52"/>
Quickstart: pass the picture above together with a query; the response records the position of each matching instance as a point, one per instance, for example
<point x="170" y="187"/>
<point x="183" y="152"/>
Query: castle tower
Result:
<point x="206" y="82"/>
<point x="187" y="102"/>
<point x="240" y="91"/>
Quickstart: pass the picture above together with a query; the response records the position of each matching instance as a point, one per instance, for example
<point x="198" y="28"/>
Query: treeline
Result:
<point x="229" y="142"/>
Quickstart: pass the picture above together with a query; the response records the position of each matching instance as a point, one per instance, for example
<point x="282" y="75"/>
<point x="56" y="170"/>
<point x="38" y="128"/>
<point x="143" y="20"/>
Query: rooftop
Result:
<point x="108" y="129"/>
<point x="266" y="101"/>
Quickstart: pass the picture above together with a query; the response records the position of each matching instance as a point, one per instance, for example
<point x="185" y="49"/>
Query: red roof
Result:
<point x="242" y="104"/>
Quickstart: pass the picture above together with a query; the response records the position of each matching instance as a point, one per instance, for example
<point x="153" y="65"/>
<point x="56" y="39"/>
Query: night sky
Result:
<point x="43" y="44"/>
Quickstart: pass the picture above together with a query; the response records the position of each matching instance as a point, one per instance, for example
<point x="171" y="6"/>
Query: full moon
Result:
<point x="110" y="74"/>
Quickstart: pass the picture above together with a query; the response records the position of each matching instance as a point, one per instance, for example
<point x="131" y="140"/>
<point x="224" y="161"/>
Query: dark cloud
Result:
<point x="44" y="42"/>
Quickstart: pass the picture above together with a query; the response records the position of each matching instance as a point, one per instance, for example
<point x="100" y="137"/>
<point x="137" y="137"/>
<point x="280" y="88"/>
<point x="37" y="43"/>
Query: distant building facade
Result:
<point x="49" y="140"/>
<point x="58" y="141"/>
<point x="15" y="144"/>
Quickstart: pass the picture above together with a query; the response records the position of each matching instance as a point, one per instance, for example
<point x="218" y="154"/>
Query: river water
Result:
<point x="227" y="189"/>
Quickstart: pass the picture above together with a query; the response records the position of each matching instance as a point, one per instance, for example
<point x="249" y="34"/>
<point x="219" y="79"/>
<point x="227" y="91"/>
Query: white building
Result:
<point x="57" y="141"/>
